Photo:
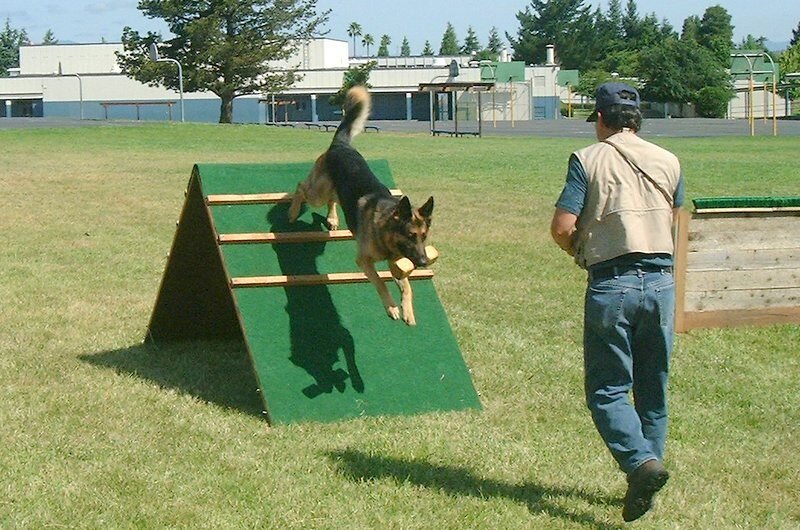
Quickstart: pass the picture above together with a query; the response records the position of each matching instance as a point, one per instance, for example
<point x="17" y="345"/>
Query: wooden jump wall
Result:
<point x="737" y="267"/>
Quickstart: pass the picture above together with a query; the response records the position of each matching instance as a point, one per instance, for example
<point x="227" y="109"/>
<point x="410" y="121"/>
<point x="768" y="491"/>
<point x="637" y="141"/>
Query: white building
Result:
<point x="84" y="80"/>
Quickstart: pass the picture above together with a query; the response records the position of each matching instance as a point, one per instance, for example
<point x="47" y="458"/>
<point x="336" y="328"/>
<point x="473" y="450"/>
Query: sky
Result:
<point x="87" y="21"/>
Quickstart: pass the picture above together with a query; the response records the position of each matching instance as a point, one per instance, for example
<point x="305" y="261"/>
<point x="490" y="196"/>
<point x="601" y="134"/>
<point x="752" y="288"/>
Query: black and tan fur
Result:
<point x="385" y="227"/>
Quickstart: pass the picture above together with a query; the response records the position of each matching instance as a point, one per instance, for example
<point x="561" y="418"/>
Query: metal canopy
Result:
<point x="455" y="86"/>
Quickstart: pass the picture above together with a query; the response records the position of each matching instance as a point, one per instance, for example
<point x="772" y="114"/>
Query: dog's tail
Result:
<point x="357" y="106"/>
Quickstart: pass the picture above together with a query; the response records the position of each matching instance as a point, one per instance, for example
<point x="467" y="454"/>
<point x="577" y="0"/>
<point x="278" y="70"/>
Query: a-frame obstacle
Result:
<point x="321" y="345"/>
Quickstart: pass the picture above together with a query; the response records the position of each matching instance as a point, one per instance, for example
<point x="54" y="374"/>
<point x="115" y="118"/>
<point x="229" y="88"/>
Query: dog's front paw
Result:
<point x="408" y="318"/>
<point x="333" y="224"/>
<point x="393" y="311"/>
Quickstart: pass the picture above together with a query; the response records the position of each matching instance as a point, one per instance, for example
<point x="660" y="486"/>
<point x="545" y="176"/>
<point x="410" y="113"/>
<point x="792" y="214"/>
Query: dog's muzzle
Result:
<point x="420" y="261"/>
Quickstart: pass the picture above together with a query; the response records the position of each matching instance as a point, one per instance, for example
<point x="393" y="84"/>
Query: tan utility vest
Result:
<point x="624" y="212"/>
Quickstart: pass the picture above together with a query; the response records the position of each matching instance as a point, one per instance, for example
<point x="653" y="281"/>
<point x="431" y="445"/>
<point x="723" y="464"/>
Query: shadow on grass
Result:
<point x="451" y="480"/>
<point x="217" y="372"/>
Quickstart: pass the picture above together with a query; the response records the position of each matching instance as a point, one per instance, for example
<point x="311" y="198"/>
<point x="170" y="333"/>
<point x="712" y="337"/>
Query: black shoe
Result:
<point x="643" y="483"/>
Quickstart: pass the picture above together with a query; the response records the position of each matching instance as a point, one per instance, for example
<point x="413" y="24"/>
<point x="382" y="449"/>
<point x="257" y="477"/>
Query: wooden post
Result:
<point x="679" y="268"/>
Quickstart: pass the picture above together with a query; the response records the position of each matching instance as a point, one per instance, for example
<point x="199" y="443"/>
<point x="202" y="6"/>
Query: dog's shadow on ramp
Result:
<point x="217" y="372"/>
<point x="458" y="481"/>
<point x="315" y="327"/>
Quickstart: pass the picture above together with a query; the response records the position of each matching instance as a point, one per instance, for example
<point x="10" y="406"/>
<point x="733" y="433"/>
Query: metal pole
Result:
<point x="80" y="86"/>
<point x="750" y="109"/>
<point x="774" y="106"/>
<point x="774" y="96"/>
<point x="430" y="101"/>
<point x="511" y="84"/>
<point x="180" y="84"/>
<point x="494" y="108"/>
<point x="154" y="56"/>
<point x="480" y="119"/>
<point x="455" y="109"/>
<point x="569" y="101"/>
<point x="80" y="92"/>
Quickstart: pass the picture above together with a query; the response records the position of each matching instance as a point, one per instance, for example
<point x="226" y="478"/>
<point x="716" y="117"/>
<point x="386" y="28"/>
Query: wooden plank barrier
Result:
<point x="320" y="279"/>
<point x="737" y="266"/>
<point x="284" y="237"/>
<point x="260" y="198"/>
<point x="293" y="237"/>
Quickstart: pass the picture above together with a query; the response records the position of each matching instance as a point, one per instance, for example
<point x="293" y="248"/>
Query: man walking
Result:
<point x="615" y="216"/>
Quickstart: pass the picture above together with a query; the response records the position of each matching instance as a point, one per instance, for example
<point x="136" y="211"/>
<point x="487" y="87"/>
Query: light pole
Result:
<point x="155" y="57"/>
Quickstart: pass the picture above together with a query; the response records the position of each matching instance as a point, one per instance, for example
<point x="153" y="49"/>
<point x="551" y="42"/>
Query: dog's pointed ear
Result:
<point x="426" y="210"/>
<point x="403" y="209"/>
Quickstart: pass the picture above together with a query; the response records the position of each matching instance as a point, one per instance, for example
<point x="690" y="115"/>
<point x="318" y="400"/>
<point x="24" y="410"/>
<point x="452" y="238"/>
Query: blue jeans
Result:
<point x="628" y="337"/>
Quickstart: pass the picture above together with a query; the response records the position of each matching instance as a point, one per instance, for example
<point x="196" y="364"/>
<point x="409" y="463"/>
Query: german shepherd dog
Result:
<point x="385" y="227"/>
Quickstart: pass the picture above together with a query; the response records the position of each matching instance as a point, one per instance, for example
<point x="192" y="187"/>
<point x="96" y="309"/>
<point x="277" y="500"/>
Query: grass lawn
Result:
<point x="99" y="432"/>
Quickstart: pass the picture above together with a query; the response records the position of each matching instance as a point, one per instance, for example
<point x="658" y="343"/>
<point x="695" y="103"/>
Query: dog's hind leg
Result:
<point x="368" y="266"/>
<point x="333" y="215"/>
<point x="298" y="199"/>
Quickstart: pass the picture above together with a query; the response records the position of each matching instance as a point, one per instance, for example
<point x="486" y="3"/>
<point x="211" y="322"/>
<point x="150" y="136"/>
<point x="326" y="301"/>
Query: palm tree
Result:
<point x="383" y="50"/>
<point x="354" y="30"/>
<point x="368" y="41"/>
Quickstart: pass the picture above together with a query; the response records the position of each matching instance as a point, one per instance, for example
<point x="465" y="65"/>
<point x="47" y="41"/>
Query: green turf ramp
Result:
<point x="320" y="352"/>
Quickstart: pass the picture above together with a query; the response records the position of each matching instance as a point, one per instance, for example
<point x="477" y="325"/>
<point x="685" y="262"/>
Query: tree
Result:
<point x="49" y="38"/>
<point x="383" y="50"/>
<point x="624" y="63"/>
<point x="790" y="60"/>
<point x="356" y="75"/>
<point x="495" y="44"/>
<point x="631" y="23"/>
<point x="683" y="71"/>
<point x="650" y="32"/>
<point x="493" y="48"/>
<point x="471" y="44"/>
<point x="795" y="36"/>
<point x="449" y="44"/>
<point x="427" y="49"/>
<point x="790" y="64"/>
<point x="691" y="28"/>
<point x="716" y="33"/>
<point x="223" y="47"/>
<point x="354" y="30"/>
<point x="590" y="80"/>
<point x="752" y="43"/>
<point x="616" y="29"/>
<point x="662" y="74"/>
<point x="10" y="41"/>
<point x="367" y="40"/>
<point x="405" y="48"/>
<point x="609" y="35"/>
<point x="567" y="24"/>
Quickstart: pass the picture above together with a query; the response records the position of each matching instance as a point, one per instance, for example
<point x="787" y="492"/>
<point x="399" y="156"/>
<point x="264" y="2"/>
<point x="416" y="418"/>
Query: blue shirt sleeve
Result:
<point x="678" y="196"/>
<point x="573" y="196"/>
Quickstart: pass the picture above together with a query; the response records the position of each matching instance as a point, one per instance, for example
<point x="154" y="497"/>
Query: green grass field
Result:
<point x="98" y="431"/>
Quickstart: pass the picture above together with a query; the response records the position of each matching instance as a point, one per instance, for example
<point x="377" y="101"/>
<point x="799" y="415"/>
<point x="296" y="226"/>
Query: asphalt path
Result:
<point x="566" y="128"/>
<point x="563" y="128"/>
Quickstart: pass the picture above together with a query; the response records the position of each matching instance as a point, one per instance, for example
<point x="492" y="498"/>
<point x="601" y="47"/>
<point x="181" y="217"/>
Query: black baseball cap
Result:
<point x="609" y="94"/>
